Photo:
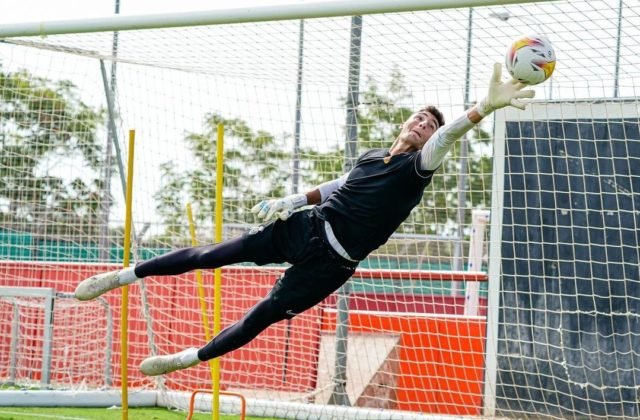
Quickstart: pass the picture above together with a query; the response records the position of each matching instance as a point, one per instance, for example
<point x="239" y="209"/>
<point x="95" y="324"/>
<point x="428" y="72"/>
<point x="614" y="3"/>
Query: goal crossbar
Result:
<point x="238" y="15"/>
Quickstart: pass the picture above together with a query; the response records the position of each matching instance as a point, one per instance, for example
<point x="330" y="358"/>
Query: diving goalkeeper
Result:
<point x="351" y="216"/>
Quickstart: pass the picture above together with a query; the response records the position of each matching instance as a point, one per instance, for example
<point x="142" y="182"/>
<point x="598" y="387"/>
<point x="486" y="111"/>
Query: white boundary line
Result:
<point x="228" y="405"/>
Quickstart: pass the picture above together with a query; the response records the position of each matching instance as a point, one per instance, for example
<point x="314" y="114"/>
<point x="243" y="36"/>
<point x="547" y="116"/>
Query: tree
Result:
<point x="379" y="119"/>
<point x="381" y="116"/>
<point x="255" y="166"/>
<point x="42" y="121"/>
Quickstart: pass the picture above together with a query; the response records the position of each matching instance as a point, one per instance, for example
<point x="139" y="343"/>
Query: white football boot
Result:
<point x="97" y="285"/>
<point x="159" y="365"/>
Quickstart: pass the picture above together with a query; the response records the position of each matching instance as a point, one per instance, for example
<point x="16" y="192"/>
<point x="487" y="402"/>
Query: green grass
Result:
<point x="65" y="413"/>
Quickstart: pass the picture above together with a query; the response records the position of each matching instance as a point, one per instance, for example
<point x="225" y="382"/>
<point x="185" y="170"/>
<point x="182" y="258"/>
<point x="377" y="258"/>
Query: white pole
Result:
<point x="495" y="266"/>
<point x="239" y="15"/>
<point x="479" y="220"/>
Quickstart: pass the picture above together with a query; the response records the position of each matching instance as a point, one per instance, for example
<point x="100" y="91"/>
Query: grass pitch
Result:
<point x="65" y="413"/>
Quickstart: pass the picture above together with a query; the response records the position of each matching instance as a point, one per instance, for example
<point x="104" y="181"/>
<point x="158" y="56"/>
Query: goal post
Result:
<point x="39" y="340"/>
<point x="533" y="316"/>
<point x="47" y="297"/>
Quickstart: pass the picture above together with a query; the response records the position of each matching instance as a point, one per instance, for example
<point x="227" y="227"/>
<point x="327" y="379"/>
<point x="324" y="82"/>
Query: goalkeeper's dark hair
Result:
<point x="435" y="112"/>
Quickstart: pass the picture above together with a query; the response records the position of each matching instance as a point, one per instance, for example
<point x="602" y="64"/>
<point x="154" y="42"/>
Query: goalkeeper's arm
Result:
<point x="285" y="206"/>
<point x="500" y="94"/>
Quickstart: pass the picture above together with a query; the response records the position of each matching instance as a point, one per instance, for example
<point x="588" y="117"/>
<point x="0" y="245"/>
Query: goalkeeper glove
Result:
<point x="283" y="207"/>
<point x="502" y="94"/>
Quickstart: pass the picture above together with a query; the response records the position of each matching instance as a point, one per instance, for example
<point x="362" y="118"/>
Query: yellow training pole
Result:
<point x="217" y="288"/>
<point x="124" y="316"/>
<point x="201" y="295"/>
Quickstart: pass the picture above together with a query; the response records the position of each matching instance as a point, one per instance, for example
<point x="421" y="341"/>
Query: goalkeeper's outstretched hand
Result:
<point x="283" y="207"/>
<point x="502" y="94"/>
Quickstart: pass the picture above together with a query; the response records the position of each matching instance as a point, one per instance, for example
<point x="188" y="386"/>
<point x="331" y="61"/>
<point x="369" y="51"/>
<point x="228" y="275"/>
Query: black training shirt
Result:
<point x="380" y="192"/>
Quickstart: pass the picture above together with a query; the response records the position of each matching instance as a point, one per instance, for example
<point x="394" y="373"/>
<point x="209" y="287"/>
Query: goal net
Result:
<point x="33" y="359"/>
<point x="549" y="330"/>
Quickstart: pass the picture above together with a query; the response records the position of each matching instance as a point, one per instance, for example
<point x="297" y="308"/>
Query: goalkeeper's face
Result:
<point x="418" y="129"/>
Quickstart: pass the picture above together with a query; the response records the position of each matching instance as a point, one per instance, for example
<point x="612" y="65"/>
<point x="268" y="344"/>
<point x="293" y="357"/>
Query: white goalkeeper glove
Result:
<point x="502" y="93"/>
<point x="283" y="207"/>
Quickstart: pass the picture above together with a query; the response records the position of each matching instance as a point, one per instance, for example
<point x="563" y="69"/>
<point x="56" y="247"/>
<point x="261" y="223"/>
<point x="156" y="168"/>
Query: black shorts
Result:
<point x="316" y="269"/>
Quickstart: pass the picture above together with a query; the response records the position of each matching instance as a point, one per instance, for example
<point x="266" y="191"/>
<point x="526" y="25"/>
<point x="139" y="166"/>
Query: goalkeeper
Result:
<point x="352" y="216"/>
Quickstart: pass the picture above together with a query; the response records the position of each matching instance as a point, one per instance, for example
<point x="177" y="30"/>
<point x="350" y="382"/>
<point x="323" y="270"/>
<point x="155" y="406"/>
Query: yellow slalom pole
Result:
<point x="217" y="288"/>
<point x="201" y="294"/>
<point x="203" y="303"/>
<point x="124" y="315"/>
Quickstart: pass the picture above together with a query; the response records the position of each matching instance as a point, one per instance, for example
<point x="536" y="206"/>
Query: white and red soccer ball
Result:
<point x="531" y="59"/>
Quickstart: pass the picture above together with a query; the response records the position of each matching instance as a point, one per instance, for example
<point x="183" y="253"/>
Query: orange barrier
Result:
<point x="192" y="401"/>
<point x="440" y="358"/>
<point x="174" y="304"/>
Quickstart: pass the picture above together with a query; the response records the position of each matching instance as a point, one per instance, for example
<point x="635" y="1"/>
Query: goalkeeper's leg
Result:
<point x="276" y="242"/>
<point x="301" y="287"/>
<point x="256" y="320"/>
<point x="173" y="263"/>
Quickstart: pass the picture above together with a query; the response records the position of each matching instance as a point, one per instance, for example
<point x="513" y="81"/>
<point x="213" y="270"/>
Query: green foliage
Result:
<point x="255" y="166"/>
<point x="322" y="167"/>
<point x="381" y="116"/>
<point x="42" y="121"/>
<point x="379" y="121"/>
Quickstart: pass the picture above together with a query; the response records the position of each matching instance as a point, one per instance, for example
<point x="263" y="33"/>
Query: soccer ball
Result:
<point x="531" y="59"/>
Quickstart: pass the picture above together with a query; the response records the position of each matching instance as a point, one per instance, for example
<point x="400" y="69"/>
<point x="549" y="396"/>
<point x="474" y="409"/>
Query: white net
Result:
<point x="409" y="345"/>
<point x="75" y="348"/>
